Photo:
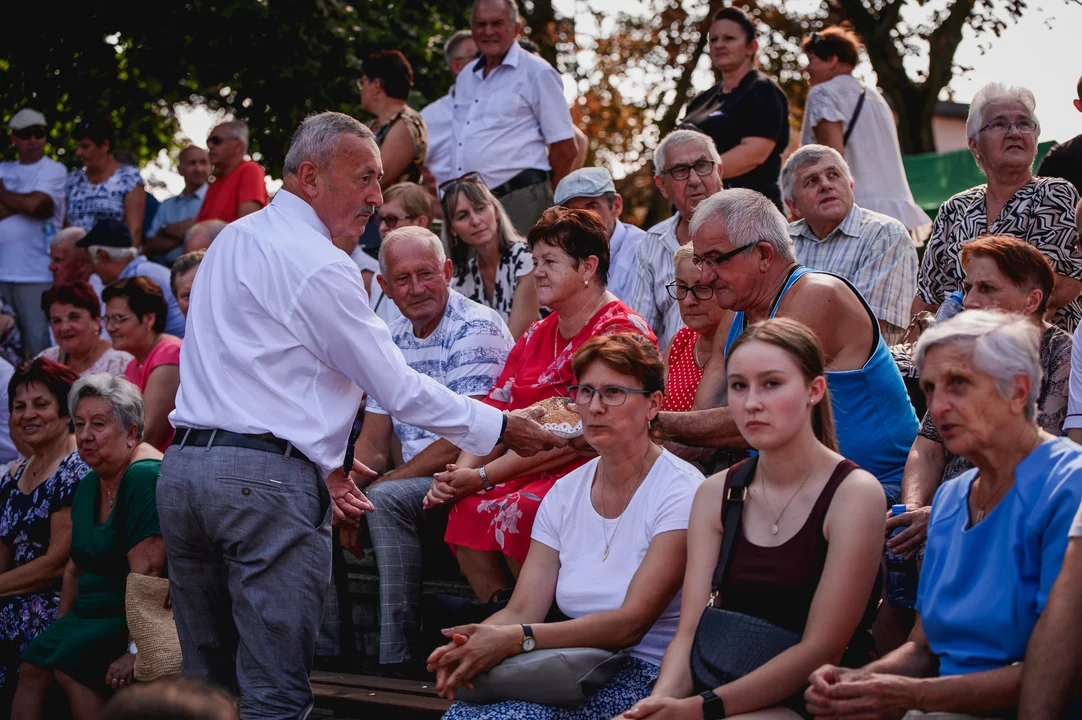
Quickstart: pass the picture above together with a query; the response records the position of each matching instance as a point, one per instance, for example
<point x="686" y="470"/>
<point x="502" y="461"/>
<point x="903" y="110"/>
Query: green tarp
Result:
<point x="935" y="177"/>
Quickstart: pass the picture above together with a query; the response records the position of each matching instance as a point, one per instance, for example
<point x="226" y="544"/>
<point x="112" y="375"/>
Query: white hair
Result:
<point x="116" y="254"/>
<point x="682" y="137"/>
<point x="512" y="9"/>
<point x="749" y="218"/>
<point x="411" y="232"/>
<point x="317" y="137"/>
<point x="802" y="158"/>
<point x="995" y="92"/>
<point x="1001" y="345"/>
<point x="453" y="42"/>
<point x="68" y="234"/>
<point x="120" y="394"/>
<point x="239" y="128"/>
<point x="684" y="252"/>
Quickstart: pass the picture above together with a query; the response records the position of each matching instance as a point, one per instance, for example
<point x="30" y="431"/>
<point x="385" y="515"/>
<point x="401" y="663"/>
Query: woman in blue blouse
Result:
<point x="996" y="537"/>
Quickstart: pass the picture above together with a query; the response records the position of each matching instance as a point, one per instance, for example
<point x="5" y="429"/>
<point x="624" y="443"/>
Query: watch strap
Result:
<point x="503" y="429"/>
<point x="713" y="705"/>
<point x="485" y="482"/>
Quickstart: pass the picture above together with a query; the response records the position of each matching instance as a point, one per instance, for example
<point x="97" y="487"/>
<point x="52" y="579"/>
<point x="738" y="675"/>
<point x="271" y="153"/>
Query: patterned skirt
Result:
<point x="631" y="683"/>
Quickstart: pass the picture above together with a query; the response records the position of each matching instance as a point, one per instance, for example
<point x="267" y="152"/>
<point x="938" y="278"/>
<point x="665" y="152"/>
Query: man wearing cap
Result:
<point x="511" y="121"/>
<point x="113" y="258"/>
<point x="31" y="211"/>
<point x="593" y="189"/>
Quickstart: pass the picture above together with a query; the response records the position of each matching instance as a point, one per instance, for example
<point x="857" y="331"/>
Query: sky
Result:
<point x="1039" y="52"/>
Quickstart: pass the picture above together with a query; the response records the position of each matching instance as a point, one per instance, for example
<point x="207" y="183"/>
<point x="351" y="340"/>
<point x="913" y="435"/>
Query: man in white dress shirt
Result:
<point x="281" y="345"/>
<point x="592" y="189"/>
<point x="511" y="121"/>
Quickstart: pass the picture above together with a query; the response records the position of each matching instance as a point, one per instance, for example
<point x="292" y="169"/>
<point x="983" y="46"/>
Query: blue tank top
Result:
<point x="873" y="417"/>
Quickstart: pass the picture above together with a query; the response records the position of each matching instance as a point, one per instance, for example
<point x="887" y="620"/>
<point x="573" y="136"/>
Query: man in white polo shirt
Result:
<point x="511" y="121"/>
<point x="281" y="344"/>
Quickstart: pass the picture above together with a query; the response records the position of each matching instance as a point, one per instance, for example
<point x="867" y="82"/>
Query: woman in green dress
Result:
<point x="115" y="531"/>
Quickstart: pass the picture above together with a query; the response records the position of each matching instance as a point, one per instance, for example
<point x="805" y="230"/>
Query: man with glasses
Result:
<point x="744" y="251"/>
<point x="687" y="170"/>
<point x="592" y="189"/>
<point x="112" y="257"/>
<point x="238" y="188"/>
<point x="459" y="51"/>
<point x="31" y="212"/>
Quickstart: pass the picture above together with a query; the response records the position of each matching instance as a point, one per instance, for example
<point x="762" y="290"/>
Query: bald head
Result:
<point x="202" y="234"/>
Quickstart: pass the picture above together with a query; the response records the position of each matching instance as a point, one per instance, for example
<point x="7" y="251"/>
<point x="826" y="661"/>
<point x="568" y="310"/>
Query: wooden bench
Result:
<point x="409" y="698"/>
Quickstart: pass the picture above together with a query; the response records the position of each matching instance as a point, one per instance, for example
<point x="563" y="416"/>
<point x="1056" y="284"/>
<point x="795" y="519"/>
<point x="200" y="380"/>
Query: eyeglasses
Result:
<point x="714" y="260"/>
<point x="679" y="291"/>
<point x="216" y="140"/>
<point x="683" y="172"/>
<point x="116" y="319"/>
<point x="1002" y="127"/>
<point x="470" y="177"/>
<point x="394" y="221"/>
<point x="35" y="131"/>
<point x="611" y="395"/>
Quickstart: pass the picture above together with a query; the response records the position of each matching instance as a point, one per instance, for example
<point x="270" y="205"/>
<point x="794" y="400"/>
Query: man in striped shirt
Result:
<point x="872" y="251"/>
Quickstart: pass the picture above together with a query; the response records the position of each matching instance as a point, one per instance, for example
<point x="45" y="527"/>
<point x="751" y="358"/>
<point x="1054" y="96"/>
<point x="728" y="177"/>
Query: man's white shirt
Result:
<point x="280" y="339"/>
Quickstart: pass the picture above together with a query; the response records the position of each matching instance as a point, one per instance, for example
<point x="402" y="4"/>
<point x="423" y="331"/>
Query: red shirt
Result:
<point x="227" y="192"/>
<point x="166" y="352"/>
<point x="684" y="374"/>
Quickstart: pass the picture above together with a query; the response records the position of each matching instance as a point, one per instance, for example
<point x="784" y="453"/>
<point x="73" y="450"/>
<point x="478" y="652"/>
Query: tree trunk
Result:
<point x="541" y="18"/>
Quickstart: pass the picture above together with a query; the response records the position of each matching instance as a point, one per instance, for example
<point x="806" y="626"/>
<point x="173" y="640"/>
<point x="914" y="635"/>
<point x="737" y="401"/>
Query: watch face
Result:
<point x="528" y="644"/>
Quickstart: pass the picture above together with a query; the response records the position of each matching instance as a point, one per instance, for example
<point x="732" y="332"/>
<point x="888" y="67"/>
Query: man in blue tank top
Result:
<point x="743" y="249"/>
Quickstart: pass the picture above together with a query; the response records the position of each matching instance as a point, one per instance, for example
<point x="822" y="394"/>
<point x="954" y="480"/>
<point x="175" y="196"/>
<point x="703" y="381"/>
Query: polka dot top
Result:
<point x="684" y="372"/>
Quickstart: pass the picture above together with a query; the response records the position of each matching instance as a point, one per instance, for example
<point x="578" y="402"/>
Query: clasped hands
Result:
<point x="473" y="649"/>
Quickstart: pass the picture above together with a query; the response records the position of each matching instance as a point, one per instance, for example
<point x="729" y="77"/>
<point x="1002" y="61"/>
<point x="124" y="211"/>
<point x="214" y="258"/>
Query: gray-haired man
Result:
<point x="271" y="376"/>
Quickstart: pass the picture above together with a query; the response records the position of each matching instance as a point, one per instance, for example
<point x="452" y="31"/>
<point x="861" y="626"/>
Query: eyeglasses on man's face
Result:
<point x="393" y="221"/>
<point x="679" y="291"/>
<point x="702" y="168"/>
<point x="611" y="395"/>
<point x="713" y="261"/>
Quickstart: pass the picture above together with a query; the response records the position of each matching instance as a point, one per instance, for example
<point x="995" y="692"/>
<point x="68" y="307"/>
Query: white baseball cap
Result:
<point x="584" y="182"/>
<point x="26" y="118"/>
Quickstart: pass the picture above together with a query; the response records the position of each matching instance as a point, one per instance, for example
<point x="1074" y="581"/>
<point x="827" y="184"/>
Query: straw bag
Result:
<point x="152" y="628"/>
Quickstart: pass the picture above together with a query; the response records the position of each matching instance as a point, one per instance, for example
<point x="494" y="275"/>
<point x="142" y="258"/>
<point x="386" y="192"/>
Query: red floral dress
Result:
<point x="684" y="373"/>
<point x="538" y="367"/>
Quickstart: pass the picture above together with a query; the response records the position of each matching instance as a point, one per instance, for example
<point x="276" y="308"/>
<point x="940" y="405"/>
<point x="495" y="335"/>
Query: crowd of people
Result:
<point x="774" y="391"/>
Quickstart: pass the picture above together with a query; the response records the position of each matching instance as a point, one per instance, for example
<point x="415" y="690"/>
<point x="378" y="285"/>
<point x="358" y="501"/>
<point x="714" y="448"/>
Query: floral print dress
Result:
<point x="24" y="530"/>
<point x="539" y="367"/>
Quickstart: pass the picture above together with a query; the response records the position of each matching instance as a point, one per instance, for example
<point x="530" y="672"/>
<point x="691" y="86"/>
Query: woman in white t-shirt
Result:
<point x="609" y="546"/>
<point x="871" y="151"/>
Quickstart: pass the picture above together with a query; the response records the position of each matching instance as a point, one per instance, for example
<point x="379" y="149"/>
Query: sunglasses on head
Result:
<point x="472" y="177"/>
<point x="36" y="131"/>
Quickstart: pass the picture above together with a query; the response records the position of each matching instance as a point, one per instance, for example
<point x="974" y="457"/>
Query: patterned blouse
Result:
<point x="418" y="132"/>
<point x="1042" y="213"/>
<point x="516" y="262"/>
<point x="90" y="202"/>
<point x="1055" y="356"/>
<point x="112" y="361"/>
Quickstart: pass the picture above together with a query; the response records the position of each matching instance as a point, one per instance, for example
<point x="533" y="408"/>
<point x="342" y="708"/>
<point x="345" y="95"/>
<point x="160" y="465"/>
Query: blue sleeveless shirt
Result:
<point x="873" y="417"/>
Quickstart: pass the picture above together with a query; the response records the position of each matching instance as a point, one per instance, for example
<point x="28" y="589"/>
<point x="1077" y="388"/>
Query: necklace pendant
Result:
<point x="606" y="555"/>
<point x="774" y="529"/>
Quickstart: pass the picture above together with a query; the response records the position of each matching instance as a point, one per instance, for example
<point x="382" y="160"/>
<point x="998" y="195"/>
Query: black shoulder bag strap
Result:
<point x="856" y="114"/>
<point x="735" y="494"/>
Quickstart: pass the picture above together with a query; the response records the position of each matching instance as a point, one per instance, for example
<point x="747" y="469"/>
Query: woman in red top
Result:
<point x="135" y="312"/>
<point x="490" y="530"/>
<point x="692" y="346"/>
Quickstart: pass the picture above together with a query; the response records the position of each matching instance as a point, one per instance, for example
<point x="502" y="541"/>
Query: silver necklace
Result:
<point x="112" y="497"/>
<point x="608" y="539"/>
<point x="766" y="498"/>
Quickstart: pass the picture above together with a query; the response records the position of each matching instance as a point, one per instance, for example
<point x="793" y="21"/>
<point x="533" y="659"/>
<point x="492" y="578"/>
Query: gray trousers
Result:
<point x="525" y="205"/>
<point x="25" y="299"/>
<point x="248" y="538"/>
<point x="397" y="528"/>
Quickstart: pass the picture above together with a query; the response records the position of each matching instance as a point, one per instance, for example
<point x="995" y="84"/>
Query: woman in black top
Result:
<point x="745" y="113"/>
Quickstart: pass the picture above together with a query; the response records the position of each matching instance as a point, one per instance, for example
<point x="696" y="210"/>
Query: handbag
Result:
<point x="152" y="627"/>
<point x="563" y="677"/>
<point x="729" y="645"/>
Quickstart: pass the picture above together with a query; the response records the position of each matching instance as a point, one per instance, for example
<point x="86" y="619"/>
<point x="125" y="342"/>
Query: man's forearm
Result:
<point x="1064" y="292"/>
<point x="702" y="428"/>
<point x="36" y="204"/>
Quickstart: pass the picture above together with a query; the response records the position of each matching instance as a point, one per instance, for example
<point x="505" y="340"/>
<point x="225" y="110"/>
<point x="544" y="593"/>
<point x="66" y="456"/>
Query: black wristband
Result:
<point x="713" y="706"/>
<point x="503" y="428"/>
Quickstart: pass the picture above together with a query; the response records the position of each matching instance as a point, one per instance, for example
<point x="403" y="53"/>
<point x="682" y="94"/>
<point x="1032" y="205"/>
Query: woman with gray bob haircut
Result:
<point x="996" y="536"/>
<point x="114" y="532"/>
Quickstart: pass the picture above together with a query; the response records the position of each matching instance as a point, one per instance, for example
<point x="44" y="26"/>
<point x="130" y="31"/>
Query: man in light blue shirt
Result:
<point x="165" y="238"/>
<point x="113" y="258"/>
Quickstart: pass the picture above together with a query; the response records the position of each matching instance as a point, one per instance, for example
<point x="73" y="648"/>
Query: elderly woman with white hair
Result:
<point x="1003" y="131"/>
<point x="996" y="538"/>
<point x="114" y="532"/>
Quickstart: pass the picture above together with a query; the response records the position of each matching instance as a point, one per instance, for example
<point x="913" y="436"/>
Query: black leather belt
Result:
<point x="266" y="442"/>
<point x="526" y="178"/>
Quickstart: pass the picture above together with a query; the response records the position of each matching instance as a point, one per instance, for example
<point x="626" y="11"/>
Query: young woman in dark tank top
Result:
<point x="808" y="555"/>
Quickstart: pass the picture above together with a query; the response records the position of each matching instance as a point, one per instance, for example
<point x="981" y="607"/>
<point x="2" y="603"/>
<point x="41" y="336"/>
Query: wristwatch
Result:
<point x="484" y="478"/>
<point x="528" y="641"/>
<point x="713" y="706"/>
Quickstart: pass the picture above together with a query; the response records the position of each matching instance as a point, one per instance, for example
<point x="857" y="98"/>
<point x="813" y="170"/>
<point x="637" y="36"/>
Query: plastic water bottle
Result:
<point x="901" y="573"/>
<point x="49" y="231"/>
<point x="950" y="307"/>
